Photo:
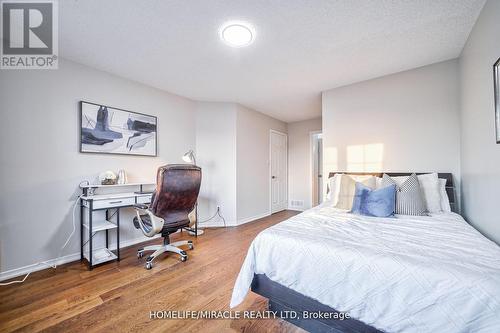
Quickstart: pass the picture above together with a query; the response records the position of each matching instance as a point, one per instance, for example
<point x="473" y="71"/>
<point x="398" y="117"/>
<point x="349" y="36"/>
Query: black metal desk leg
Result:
<point x="91" y="204"/>
<point x="107" y="236"/>
<point x="196" y="218"/>
<point x="81" y="230"/>
<point x="118" y="234"/>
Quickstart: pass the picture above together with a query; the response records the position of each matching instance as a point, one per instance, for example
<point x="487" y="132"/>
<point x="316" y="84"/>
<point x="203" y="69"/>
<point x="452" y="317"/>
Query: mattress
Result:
<point x="403" y="274"/>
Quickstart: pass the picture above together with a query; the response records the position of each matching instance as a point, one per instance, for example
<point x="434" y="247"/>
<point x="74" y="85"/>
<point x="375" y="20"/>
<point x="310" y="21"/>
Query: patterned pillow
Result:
<point x="409" y="200"/>
<point x="370" y="202"/>
<point x="348" y="189"/>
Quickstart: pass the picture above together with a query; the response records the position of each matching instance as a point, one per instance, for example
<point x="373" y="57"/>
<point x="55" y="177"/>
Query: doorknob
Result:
<point x="273" y="177"/>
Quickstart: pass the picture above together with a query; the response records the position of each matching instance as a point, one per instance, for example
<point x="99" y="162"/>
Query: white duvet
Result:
<point x="404" y="274"/>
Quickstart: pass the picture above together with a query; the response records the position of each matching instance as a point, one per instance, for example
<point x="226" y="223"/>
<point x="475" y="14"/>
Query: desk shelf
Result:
<point x="116" y="185"/>
<point x="100" y="225"/>
<point x="100" y="256"/>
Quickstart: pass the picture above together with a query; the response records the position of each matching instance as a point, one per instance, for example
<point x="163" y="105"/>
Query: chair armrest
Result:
<point x="156" y="222"/>
<point x="141" y="206"/>
<point x="192" y="217"/>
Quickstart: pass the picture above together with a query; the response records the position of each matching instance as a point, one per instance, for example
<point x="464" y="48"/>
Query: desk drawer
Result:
<point x="144" y="199"/>
<point x="108" y="203"/>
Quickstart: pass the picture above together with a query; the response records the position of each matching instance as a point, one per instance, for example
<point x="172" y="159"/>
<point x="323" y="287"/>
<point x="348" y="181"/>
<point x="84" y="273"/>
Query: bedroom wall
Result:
<point x="480" y="154"/>
<point x="252" y="150"/>
<point x="299" y="160"/>
<point x="216" y="155"/>
<point x="407" y="121"/>
<point x="232" y="146"/>
<point x="41" y="163"/>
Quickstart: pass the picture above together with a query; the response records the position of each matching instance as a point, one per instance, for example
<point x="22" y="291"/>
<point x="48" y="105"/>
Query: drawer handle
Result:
<point x="114" y="202"/>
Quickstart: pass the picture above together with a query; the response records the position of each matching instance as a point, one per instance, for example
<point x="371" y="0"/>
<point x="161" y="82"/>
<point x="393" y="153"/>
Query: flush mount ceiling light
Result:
<point x="237" y="34"/>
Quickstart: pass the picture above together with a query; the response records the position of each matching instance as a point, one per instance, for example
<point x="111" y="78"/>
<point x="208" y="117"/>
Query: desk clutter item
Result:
<point x="108" y="178"/>
<point x="122" y="177"/>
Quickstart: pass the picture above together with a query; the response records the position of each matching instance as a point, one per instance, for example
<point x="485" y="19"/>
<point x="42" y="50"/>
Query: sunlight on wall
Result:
<point x="365" y="158"/>
<point x="330" y="159"/>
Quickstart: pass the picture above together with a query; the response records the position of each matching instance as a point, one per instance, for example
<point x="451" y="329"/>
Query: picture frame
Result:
<point x="108" y="130"/>
<point x="496" y="85"/>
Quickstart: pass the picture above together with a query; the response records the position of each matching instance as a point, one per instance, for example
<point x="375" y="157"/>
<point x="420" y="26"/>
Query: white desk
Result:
<point x="91" y="201"/>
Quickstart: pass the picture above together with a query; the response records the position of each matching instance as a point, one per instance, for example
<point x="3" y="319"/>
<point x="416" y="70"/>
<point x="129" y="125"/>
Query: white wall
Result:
<point x="216" y="155"/>
<point x="407" y="121"/>
<point x="480" y="153"/>
<point x="299" y="161"/>
<point x="41" y="163"/>
<point x="253" y="132"/>
<point x="232" y="146"/>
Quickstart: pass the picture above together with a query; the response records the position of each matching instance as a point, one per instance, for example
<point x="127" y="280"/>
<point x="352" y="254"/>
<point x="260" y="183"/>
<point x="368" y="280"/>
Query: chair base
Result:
<point x="159" y="249"/>
<point x="198" y="232"/>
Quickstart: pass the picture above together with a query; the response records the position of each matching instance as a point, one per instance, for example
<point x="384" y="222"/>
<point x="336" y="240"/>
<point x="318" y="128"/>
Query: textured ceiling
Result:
<point x="301" y="48"/>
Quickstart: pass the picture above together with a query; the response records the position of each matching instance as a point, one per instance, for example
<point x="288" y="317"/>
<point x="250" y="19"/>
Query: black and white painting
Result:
<point x="496" y="85"/>
<point x="105" y="129"/>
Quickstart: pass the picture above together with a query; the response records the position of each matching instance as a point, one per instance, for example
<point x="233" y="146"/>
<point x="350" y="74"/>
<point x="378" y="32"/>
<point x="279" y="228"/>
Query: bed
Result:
<point x="403" y="274"/>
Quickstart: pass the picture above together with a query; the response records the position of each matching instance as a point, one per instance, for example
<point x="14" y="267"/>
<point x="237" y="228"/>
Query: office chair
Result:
<point x="172" y="208"/>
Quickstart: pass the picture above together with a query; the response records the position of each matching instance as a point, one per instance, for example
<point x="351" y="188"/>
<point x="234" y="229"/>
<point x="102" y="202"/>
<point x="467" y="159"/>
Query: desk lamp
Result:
<point x="189" y="157"/>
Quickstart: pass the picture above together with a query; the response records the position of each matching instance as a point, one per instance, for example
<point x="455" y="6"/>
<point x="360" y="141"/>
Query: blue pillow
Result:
<point x="379" y="203"/>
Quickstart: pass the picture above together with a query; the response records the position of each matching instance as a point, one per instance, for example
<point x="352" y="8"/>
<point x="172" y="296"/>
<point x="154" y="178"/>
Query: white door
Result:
<point x="278" y="171"/>
<point x="317" y="167"/>
<point x="320" y="170"/>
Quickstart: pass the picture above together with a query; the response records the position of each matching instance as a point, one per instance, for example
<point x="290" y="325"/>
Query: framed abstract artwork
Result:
<point x="496" y="84"/>
<point x="108" y="130"/>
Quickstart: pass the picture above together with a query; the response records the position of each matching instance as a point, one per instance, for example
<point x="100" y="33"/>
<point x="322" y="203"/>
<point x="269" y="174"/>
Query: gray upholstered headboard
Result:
<point x="450" y="185"/>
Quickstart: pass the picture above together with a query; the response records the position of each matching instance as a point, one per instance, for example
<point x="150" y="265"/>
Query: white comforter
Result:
<point x="404" y="274"/>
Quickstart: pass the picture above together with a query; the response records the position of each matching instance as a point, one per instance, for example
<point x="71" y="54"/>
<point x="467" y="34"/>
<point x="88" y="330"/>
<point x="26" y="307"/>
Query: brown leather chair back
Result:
<point x="177" y="188"/>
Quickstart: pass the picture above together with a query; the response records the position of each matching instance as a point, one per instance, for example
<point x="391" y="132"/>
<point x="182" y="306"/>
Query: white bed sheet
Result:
<point x="404" y="274"/>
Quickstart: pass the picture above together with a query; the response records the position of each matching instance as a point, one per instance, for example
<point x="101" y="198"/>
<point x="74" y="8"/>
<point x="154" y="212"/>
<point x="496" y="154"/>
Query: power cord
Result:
<point x="217" y="213"/>
<point x="62" y="248"/>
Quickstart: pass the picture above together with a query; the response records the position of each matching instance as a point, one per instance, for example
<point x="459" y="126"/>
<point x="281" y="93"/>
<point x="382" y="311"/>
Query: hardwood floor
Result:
<point x="118" y="297"/>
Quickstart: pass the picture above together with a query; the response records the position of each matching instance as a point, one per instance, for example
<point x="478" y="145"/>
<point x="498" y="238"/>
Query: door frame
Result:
<point x="271" y="131"/>
<point x="311" y="166"/>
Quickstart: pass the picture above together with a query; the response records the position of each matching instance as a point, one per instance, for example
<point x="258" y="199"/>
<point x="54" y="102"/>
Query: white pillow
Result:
<point x="348" y="189"/>
<point x="429" y="185"/>
<point x="445" y="202"/>
<point x="334" y="188"/>
<point x="399" y="180"/>
<point x="362" y="178"/>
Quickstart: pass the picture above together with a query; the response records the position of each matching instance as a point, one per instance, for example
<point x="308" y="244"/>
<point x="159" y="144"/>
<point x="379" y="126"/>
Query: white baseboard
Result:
<point x="217" y="225"/>
<point x="234" y="223"/>
<point x="64" y="259"/>
<point x="253" y="218"/>
<point x="299" y="209"/>
<point x="38" y="266"/>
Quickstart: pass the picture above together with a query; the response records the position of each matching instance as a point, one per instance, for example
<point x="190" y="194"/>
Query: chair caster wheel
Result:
<point x="191" y="246"/>
<point x="184" y="258"/>
<point x="140" y="254"/>
<point x="149" y="265"/>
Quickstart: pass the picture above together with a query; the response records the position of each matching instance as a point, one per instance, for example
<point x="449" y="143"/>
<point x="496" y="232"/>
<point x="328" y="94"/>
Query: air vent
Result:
<point x="297" y="203"/>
